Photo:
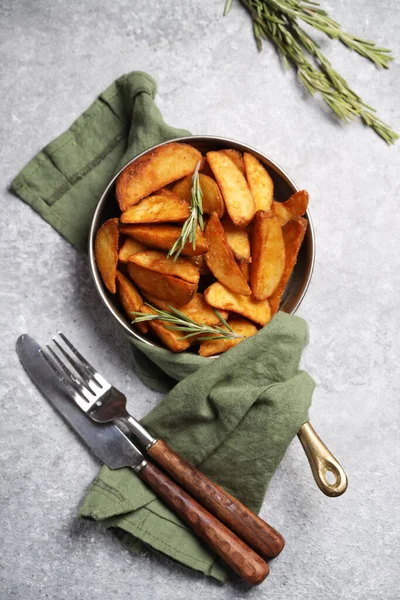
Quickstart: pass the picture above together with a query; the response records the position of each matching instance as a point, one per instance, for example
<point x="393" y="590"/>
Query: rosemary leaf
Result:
<point x="175" y="320"/>
<point x="195" y="218"/>
<point x="278" y="21"/>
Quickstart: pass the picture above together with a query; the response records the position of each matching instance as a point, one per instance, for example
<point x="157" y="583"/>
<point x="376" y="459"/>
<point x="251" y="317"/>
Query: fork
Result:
<point x="103" y="403"/>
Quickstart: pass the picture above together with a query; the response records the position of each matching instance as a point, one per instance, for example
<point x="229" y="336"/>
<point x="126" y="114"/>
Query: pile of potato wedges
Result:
<point x="241" y="262"/>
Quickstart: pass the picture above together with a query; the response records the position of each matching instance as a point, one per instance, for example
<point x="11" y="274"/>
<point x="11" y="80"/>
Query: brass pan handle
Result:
<point x="322" y="462"/>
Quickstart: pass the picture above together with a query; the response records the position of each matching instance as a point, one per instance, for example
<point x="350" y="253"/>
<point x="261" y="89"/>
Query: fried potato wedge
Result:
<point x="200" y="263"/>
<point x="162" y="286"/>
<point x="293" y="236"/>
<point x="131" y="299"/>
<point x="163" y="237"/>
<point x="197" y="309"/>
<point x="129" y="247"/>
<point x="158" y="262"/>
<point x="220" y="259"/>
<point x="160" y="208"/>
<point x="172" y="339"/>
<point x="245" y="268"/>
<point x="236" y="157"/>
<point x="106" y="253"/>
<point x="295" y="206"/>
<point x="157" y="168"/>
<point x="238" y="240"/>
<point x="242" y="327"/>
<point x="236" y="194"/>
<point x="268" y="254"/>
<point x="212" y="199"/>
<point x="221" y="298"/>
<point x="260" y="182"/>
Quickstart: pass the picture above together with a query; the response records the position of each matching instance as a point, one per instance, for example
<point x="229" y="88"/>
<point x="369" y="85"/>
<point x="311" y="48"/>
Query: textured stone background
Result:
<point x="55" y="58"/>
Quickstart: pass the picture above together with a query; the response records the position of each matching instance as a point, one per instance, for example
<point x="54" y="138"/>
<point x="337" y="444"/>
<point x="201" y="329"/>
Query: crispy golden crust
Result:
<point x="236" y="194"/>
<point x="220" y="297"/>
<point x="212" y="200"/>
<point x="158" y="262"/>
<point x="236" y="157"/>
<point x="268" y="255"/>
<point x="163" y="237"/>
<point x="295" y="206"/>
<point x="242" y="327"/>
<point x="220" y="259"/>
<point x="172" y="339"/>
<point x="293" y="236"/>
<point x="260" y="182"/>
<point x="106" y="253"/>
<point x="161" y="208"/>
<point x="238" y="240"/>
<point x="129" y="247"/>
<point x="131" y="299"/>
<point x="165" y="287"/>
<point x="157" y="168"/>
<point x="197" y="309"/>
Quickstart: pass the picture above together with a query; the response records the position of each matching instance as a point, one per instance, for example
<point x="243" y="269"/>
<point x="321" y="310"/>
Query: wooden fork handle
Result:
<point x="242" y="559"/>
<point x="258" y="534"/>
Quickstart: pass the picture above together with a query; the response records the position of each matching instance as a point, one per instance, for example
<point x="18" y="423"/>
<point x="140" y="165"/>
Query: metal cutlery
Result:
<point x="103" y="403"/>
<point x="116" y="450"/>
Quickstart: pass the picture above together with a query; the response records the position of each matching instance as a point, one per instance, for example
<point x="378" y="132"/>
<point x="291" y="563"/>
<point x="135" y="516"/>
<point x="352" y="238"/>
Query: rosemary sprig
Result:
<point x="175" y="320"/>
<point x="195" y="218"/>
<point x="278" y="21"/>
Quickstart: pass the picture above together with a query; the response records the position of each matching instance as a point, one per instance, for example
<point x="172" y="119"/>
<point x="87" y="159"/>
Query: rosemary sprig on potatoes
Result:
<point x="175" y="320"/>
<point x="195" y="219"/>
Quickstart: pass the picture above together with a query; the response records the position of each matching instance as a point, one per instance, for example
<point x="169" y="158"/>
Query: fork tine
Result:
<point x="76" y="383"/>
<point x="91" y="370"/>
<point x="59" y="373"/>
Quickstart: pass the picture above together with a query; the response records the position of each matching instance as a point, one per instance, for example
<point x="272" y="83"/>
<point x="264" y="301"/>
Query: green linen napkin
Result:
<point x="234" y="416"/>
<point x="234" y="419"/>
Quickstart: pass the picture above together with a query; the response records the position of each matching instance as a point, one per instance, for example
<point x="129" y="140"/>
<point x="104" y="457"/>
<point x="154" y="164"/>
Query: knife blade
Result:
<point x="107" y="441"/>
<point x="114" y="449"/>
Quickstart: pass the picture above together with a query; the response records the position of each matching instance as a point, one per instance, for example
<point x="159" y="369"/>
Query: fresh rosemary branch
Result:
<point x="180" y="322"/>
<point x="277" y="20"/>
<point x="195" y="218"/>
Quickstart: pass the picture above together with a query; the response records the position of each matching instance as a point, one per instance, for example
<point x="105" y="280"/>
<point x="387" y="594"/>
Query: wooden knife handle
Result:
<point x="260" y="536"/>
<point x="246" y="563"/>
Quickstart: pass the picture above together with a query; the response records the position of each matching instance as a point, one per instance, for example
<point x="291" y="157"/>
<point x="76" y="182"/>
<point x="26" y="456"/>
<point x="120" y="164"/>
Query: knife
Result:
<point x="116" y="450"/>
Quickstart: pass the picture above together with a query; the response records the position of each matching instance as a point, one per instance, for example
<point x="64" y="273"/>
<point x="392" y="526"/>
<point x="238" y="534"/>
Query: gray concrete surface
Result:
<point x="55" y="58"/>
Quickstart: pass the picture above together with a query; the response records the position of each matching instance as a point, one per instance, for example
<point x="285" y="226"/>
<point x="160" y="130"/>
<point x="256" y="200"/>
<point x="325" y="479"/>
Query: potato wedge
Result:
<point x="293" y="235"/>
<point x="131" y="299"/>
<point x="106" y="253"/>
<point x="238" y="240"/>
<point x="158" y="262"/>
<point x="220" y="259"/>
<point x="200" y="263"/>
<point x="268" y="255"/>
<point x="129" y="247"/>
<point x="236" y="157"/>
<point x="197" y="309"/>
<point x="157" y="168"/>
<point x="221" y="298"/>
<point x="295" y="206"/>
<point x="260" y="182"/>
<point x="163" y="237"/>
<point x="172" y="339"/>
<point x="242" y="327"/>
<point x="162" y="286"/>
<point x="212" y="198"/>
<point x="245" y="268"/>
<point x="160" y="208"/>
<point x="238" y="199"/>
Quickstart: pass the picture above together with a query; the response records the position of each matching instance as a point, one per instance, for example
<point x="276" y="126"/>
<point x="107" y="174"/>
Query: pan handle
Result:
<point x="322" y="462"/>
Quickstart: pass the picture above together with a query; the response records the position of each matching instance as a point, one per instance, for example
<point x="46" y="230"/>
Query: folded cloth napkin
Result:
<point x="234" y="419"/>
<point x="234" y="416"/>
